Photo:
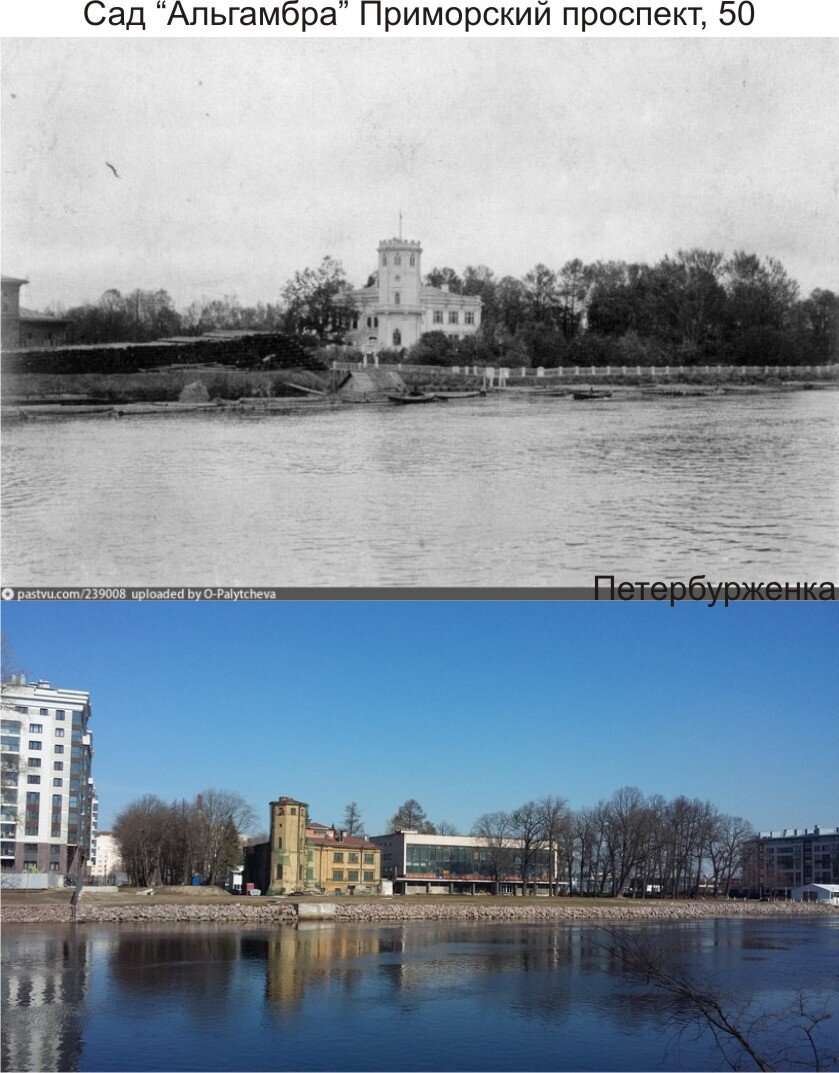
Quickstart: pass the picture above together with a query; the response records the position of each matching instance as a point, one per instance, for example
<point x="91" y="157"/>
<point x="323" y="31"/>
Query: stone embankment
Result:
<point x="397" y="911"/>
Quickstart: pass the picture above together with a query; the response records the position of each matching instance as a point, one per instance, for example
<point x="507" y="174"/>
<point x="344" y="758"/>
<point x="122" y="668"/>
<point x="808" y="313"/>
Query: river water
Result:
<point x="490" y="492"/>
<point x="417" y="997"/>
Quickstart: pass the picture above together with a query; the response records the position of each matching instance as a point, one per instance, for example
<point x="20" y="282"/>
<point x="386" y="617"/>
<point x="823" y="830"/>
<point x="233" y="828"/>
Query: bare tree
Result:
<point x="223" y="816"/>
<point x="353" y="823"/>
<point x="495" y="830"/>
<point x="527" y="825"/>
<point x="446" y="828"/>
<point x="740" y="1028"/>
<point x="555" y="819"/>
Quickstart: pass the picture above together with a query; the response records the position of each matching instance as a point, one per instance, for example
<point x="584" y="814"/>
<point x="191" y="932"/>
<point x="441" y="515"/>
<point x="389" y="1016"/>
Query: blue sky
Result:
<point x="469" y="707"/>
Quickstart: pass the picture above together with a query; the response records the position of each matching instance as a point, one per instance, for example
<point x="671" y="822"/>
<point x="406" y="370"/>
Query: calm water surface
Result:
<point x="489" y="492"/>
<point x="423" y="997"/>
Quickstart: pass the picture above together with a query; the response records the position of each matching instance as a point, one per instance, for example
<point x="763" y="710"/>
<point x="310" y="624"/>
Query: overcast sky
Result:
<point x="469" y="707"/>
<point x="240" y="161"/>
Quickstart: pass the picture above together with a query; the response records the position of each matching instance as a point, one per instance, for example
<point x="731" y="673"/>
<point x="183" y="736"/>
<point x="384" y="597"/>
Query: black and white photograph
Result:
<point x="419" y="313"/>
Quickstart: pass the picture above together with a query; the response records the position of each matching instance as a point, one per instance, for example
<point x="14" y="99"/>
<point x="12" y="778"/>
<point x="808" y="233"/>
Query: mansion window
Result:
<point x="384" y="258"/>
<point x="397" y="260"/>
<point x="396" y="298"/>
<point x="338" y="874"/>
<point x="369" y="877"/>
<point x="352" y="877"/>
<point x="397" y="337"/>
<point x="413" y="260"/>
<point x="469" y="317"/>
<point x="438" y="316"/>
<point x="453" y="316"/>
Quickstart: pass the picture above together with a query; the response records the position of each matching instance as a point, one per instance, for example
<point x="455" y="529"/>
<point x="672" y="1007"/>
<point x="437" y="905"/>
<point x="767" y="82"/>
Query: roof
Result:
<point x="348" y="842"/>
<point x="832" y="887"/>
<point x="13" y="279"/>
<point x="32" y="314"/>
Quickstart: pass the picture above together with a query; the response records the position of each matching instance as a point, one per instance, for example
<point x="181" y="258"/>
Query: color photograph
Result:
<point x="423" y="836"/>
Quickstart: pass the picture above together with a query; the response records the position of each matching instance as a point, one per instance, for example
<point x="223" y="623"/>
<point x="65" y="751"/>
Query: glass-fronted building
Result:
<point x="461" y="864"/>
<point x="777" y="862"/>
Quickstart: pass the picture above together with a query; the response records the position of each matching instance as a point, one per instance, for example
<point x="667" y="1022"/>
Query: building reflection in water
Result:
<point x="311" y="955"/>
<point x="43" y="996"/>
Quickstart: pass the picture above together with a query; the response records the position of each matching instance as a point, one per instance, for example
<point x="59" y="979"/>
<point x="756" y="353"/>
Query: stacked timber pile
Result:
<point x="264" y="350"/>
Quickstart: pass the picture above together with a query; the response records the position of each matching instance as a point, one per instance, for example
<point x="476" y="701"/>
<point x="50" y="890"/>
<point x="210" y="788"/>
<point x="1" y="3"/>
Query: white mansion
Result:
<point x="399" y="307"/>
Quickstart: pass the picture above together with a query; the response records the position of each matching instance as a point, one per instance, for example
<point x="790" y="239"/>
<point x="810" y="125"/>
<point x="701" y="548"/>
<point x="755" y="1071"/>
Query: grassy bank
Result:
<point x="213" y="905"/>
<point x="158" y="386"/>
<point x="228" y="384"/>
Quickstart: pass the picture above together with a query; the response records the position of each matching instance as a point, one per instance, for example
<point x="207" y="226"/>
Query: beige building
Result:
<point x="398" y="308"/>
<point x="301" y="854"/>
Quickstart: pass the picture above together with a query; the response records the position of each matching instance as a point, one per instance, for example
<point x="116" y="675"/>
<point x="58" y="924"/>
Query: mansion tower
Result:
<point x="398" y="308"/>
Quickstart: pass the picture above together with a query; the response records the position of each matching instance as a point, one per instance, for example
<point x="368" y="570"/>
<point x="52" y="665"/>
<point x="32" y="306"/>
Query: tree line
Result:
<point x="628" y="843"/>
<point x="170" y="844"/>
<point x="694" y="307"/>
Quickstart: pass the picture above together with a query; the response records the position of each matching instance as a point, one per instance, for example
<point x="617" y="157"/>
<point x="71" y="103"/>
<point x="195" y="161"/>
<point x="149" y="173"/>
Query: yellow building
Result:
<point x="301" y="855"/>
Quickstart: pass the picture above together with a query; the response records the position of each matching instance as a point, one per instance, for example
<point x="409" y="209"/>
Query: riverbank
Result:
<point x="237" y="395"/>
<point x="95" y="908"/>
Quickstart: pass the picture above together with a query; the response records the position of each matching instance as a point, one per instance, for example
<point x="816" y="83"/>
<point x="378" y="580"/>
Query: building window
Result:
<point x="58" y="782"/>
<point x="352" y="858"/>
<point x="338" y="858"/>
<point x="438" y="316"/>
<point x="375" y="322"/>
<point x="293" y="811"/>
<point x="310" y="855"/>
<point x="397" y="260"/>
<point x="55" y="866"/>
<point x="369" y="858"/>
<point x="36" y="728"/>
<point x="279" y="871"/>
<point x="369" y="877"/>
<point x="59" y="732"/>
<point x="33" y="779"/>
<point x="369" y="322"/>
<point x="396" y="298"/>
<point x="59" y="748"/>
<point x="338" y="875"/>
<point x="468" y="317"/>
<point x="413" y="260"/>
<point x="310" y="873"/>
<point x="453" y="316"/>
<point x="23" y="710"/>
<point x="384" y="258"/>
<point x="43" y="712"/>
<point x="34" y="761"/>
<point x="397" y="337"/>
<point x="35" y="745"/>
<point x="352" y="877"/>
<point x="60" y="714"/>
<point x="58" y="765"/>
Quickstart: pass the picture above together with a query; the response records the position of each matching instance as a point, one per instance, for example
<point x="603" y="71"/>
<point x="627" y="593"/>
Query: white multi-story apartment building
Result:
<point x="107" y="863"/>
<point x="47" y="789"/>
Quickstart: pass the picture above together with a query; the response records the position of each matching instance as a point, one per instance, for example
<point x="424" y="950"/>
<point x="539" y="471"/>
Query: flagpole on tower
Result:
<point x="400" y="224"/>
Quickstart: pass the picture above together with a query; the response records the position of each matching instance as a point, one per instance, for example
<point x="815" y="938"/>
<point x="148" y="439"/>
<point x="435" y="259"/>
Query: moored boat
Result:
<point x="587" y="396"/>
<point x="406" y="400"/>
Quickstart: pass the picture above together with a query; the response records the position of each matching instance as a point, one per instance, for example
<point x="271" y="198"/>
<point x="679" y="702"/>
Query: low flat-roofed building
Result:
<point x="22" y="327"/>
<point x="461" y="864"/>
<point x="817" y="892"/>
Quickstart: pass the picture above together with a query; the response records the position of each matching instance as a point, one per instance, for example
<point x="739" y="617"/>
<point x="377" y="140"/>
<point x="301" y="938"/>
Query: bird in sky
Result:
<point x="113" y="169"/>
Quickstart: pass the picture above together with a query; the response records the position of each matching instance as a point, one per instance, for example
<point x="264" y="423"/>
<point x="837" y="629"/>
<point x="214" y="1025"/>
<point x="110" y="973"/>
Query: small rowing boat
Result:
<point x="588" y="396"/>
<point x="407" y="400"/>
